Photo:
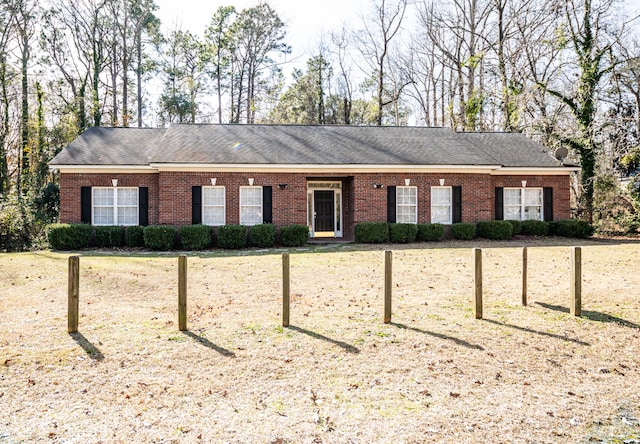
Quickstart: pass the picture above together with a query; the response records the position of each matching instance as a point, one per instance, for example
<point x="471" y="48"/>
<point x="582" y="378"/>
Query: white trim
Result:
<point x="115" y="206"/>
<point x="100" y="169"/>
<point x="553" y="171"/>
<point x="449" y="221"/>
<point x="332" y="168"/>
<point x="414" y="205"/>
<point x="261" y="213"/>
<point x="496" y="170"/>
<point x="522" y="205"/>
<point x="338" y="217"/>
<point x="224" y="204"/>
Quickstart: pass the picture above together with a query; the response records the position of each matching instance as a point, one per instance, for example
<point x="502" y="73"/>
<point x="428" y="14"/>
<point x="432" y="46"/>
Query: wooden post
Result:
<point x="477" y="283"/>
<point x="576" y="281"/>
<point x="388" y="282"/>
<point x="286" y="289"/>
<point x="182" y="292"/>
<point x="74" y="294"/>
<point x="524" y="276"/>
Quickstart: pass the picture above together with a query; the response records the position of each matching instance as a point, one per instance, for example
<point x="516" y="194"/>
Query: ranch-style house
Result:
<point x="327" y="177"/>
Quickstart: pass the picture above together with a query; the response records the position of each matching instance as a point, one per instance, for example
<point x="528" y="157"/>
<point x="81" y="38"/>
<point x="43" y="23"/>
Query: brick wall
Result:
<point x="71" y="183"/>
<point x="170" y="194"/>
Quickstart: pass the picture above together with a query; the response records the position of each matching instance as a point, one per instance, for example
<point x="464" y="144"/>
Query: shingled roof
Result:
<point x="204" y="144"/>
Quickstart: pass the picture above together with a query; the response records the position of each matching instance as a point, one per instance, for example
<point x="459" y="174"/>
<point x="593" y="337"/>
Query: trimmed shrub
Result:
<point x="494" y="229"/>
<point x="430" y="232"/>
<point x="109" y="236"/>
<point x="232" y="236"/>
<point x="403" y="233"/>
<point x="134" y="236"/>
<point x="262" y="236"/>
<point x="294" y="235"/>
<point x="571" y="228"/>
<point x="195" y="237"/>
<point x="463" y="231"/>
<point x="372" y="232"/>
<point x="516" y="225"/>
<point x="535" y="228"/>
<point x="69" y="236"/>
<point x="159" y="237"/>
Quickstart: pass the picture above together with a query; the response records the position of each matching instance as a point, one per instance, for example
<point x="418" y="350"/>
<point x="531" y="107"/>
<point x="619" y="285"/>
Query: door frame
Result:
<point x="325" y="185"/>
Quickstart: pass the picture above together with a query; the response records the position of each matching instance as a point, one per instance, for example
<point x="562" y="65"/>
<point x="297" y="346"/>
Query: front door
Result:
<point x="323" y="203"/>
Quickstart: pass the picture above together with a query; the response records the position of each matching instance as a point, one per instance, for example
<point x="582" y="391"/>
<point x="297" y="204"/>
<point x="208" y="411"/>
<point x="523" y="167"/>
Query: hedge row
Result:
<point x="379" y="232"/>
<point x="166" y="237"/>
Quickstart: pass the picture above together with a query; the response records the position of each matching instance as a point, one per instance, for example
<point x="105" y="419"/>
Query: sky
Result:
<point x="305" y="20"/>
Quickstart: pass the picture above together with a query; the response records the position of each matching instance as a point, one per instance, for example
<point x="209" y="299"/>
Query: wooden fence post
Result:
<point x="477" y="283"/>
<point x="286" y="289"/>
<point x="524" y="276"/>
<point x="576" y="281"/>
<point x="388" y="283"/>
<point x="182" y="292"/>
<point x="74" y="294"/>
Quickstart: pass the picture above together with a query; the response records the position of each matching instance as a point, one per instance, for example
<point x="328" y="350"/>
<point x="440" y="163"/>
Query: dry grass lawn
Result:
<point x="530" y="374"/>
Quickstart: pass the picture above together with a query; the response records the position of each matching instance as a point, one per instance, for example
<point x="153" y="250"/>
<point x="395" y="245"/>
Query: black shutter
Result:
<point x="267" y="206"/>
<point x="143" y="206"/>
<point x="547" y="203"/>
<point x="85" y="205"/>
<point x="391" y="204"/>
<point x="196" y="205"/>
<point x="499" y="203"/>
<point x="457" y="205"/>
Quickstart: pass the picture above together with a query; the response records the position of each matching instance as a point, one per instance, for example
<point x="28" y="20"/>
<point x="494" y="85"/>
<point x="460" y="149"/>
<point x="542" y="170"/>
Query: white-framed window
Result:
<point x="213" y="206"/>
<point x="522" y="203"/>
<point x="441" y="205"/>
<point x="250" y="205"/>
<point x="407" y="205"/>
<point x="114" y="206"/>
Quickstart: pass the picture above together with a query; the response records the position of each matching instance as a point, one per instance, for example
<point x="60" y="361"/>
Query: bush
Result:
<point x="294" y="235"/>
<point x="195" y="237"/>
<point x="430" y="232"/>
<point x="134" y="236"/>
<point x="463" y="231"/>
<point x="109" y="236"/>
<point x="495" y="229"/>
<point x="372" y="232"/>
<point x="263" y="235"/>
<point x="516" y="225"/>
<point x="14" y="230"/>
<point x="69" y="236"/>
<point x="571" y="228"/>
<point x="535" y="228"/>
<point x="403" y="233"/>
<point x="159" y="237"/>
<point x="232" y="236"/>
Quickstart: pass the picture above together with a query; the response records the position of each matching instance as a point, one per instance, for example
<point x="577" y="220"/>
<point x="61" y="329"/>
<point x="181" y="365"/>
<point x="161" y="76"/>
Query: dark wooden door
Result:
<point x="324" y="208"/>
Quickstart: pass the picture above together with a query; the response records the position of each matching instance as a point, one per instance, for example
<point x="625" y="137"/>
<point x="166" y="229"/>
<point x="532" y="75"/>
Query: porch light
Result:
<point x="213" y="181"/>
<point x="377" y="185"/>
<point x="407" y="182"/>
<point x="114" y="182"/>
<point x="524" y="184"/>
<point x="282" y="186"/>
<point x="250" y="181"/>
<point x="441" y="182"/>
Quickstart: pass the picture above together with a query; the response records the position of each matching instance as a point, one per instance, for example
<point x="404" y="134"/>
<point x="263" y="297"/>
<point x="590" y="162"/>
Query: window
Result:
<point x="523" y="203"/>
<point x="441" y="205"/>
<point x="115" y="206"/>
<point x="213" y="206"/>
<point x="407" y="205"/>
<point x="251" y="205"/>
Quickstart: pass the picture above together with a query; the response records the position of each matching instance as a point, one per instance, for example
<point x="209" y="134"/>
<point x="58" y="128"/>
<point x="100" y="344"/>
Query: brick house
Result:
<point x="327" y="177"/>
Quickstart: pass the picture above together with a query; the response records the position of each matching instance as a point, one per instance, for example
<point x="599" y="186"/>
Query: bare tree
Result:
<point x="374" y="42"/>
